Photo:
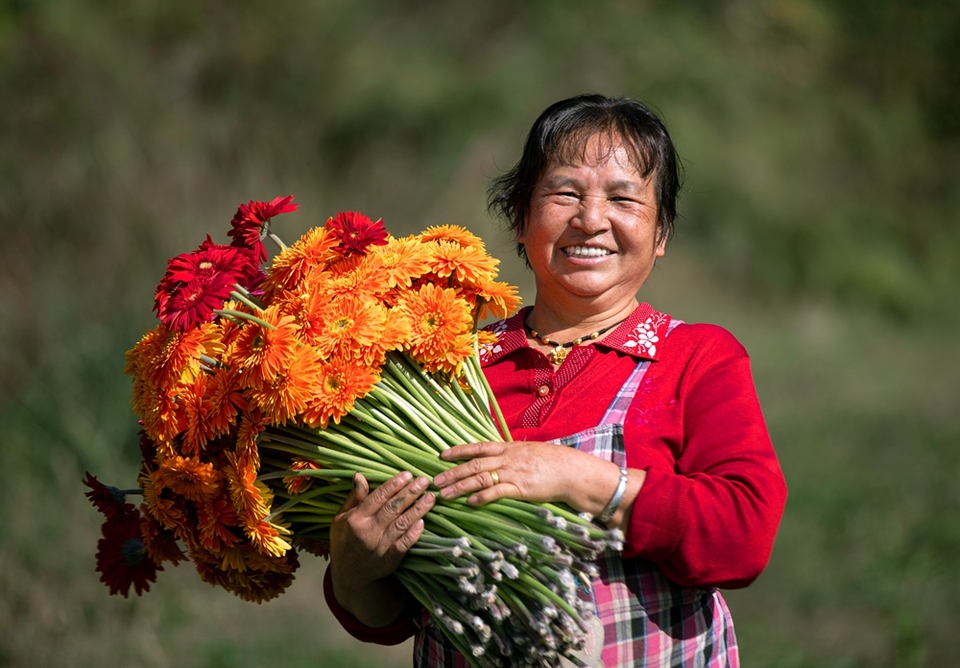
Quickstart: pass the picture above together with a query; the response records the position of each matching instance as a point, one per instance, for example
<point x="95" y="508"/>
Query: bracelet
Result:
<point x="617" y="498"/>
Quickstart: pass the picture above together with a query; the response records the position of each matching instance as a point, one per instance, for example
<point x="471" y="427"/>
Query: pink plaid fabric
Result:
<point x="648" y="620"/>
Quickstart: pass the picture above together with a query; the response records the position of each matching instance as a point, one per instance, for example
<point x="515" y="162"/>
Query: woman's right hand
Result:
<point x="368" y="539"/>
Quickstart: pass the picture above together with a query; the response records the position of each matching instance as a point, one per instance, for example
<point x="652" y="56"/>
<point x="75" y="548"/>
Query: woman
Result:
<point x="648" y="424"/>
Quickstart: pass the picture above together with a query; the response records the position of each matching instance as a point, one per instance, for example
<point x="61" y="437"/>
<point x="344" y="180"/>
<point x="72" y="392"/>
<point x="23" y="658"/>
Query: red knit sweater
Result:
<point x="708" y="511"/>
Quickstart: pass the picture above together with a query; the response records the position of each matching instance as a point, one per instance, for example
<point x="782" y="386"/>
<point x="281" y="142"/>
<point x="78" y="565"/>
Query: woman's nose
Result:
<point x="592" y="217"/>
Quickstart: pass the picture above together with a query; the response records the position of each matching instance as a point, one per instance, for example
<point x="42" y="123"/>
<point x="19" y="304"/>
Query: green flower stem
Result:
<point x="245" y="298"/>
<point x="401" y="463"/>
<point x="346" y="446"/>
<point x="408" y="410"/>
<point x="489" y="524"/>
<point x="414" y="391"/>
<point x="411" y="405"/>
<point x="399" y="447"/>
<point x="421" y="565"/>
<point x="240" y="315"/>
<point x="328" y="457"/>
<point x="391" y="424"/>
<point x="333" y="489"/>
<point x="335" y="474"/>
<point x="473" y="362"/>
<point x="544" y="591"/>
<point x="481" y="418"/>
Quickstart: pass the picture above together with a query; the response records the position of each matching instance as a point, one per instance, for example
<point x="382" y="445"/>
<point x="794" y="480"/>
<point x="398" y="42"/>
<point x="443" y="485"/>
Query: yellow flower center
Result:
<point x="342" y="323"/>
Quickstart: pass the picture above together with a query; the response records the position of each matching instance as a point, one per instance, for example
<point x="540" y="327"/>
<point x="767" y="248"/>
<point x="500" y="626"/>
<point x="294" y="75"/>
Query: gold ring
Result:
<point x="496" y="477"/>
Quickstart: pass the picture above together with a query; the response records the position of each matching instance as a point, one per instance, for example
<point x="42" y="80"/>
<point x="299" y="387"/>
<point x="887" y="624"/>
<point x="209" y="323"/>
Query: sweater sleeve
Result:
<point x="710" y="516"/>
<point x="404" y="627"/>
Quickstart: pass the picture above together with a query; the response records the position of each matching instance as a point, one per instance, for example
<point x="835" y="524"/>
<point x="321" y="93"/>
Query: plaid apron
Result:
<point x="647" y="620"/>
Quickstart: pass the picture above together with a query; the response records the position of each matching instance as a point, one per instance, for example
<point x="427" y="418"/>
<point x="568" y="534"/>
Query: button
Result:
<point x="543" y="390"/>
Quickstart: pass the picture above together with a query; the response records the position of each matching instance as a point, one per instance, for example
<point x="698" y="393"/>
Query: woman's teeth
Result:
<point x="584" y="251"/>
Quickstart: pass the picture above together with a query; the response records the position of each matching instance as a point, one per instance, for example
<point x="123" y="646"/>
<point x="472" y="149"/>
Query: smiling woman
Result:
<point x="648" y="424"/>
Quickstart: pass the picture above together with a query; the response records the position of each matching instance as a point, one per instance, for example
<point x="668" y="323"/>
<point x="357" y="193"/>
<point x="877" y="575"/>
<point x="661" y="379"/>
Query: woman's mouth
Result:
<point x="586" y="251"/>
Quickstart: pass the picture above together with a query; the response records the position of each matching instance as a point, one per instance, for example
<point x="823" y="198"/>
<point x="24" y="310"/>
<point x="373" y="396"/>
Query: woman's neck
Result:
<point x="565" y="324"/>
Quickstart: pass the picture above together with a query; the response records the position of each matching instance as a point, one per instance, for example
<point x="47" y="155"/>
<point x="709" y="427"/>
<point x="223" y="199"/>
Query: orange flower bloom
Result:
<point x="439" y="321"/>
<point x="215" y="517"/>
<point x="190" y="478"/>
<point x="347" y="326"/>
<point x="160" y="412"/>
<point x="159" y="542"/>
<point x="499" y="300"/>
<point x="466" y="265"/>
<point x="163" y="510"/>
<point x="288" y="391"/>
<point x="193" y="420"/>
<point x="298" y="484"/>
<point x="251" y="424"/>
<point x="341" y="384"/>
<point x="291" y="266"/>
<point x="262" y="352"/>
<point x="459" y="235"/>
<point x="366" y="280"/>
<point x="266" y="538"/>
<point x="165" y="357"/>
<point x="403" y="260"/>
<point x="259" y="579"/>
<point x="244" y="494"/>
<point x="222" y="401"/>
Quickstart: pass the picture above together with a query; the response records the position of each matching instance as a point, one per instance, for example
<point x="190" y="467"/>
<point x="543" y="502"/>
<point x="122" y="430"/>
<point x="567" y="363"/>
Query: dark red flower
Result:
<point x="249" y="220"/>
<point x="108" y="500"/>
<point x="122" y="559"/>
<point x="355" y="232"/>
<point x="197" y="283"/>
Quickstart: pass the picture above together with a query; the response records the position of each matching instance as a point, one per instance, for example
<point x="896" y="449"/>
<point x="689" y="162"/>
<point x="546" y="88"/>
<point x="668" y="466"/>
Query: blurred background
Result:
<point x="819" y="223"/>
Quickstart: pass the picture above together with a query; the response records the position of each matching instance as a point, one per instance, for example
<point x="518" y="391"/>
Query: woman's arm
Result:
<point x="368" y="539"/>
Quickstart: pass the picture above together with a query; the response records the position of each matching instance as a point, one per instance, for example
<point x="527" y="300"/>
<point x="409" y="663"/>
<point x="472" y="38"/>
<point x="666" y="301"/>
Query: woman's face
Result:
<point x="592" y="229"/>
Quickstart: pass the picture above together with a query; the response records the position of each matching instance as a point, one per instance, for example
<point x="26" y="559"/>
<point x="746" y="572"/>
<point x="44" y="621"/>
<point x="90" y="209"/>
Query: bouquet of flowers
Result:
<point x="263" y="391"/>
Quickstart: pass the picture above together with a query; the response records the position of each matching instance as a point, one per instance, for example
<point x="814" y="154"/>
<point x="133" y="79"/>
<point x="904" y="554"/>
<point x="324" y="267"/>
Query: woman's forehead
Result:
<point x="597" y="148"/>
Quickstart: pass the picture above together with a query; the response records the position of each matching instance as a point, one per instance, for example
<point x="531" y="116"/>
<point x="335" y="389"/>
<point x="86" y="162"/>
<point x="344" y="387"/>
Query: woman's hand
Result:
<point x="532" y="470"/>
<point x="368" y="539"/>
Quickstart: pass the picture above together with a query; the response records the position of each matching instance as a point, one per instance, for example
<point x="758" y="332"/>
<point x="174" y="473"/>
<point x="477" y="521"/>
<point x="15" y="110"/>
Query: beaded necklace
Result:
<point x="561" y="350"/>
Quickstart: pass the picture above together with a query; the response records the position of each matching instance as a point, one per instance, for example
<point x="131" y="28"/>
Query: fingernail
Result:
<point x="356" y="481"/>
<point x="405" y="476"/>
<point x="473" y="500"/>
<point x="439" y="480"/>
<point x="421" y="483"/>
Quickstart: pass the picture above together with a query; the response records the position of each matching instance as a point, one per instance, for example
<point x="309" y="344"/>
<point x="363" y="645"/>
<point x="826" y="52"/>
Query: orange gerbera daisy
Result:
<point x="215" y="519"/>
<point x="497" y="300"/>
<point x="191" y="478"/>
<point x="367" y="279"/>
<point x="438" y="321"/>
<point x="347" y="326"/>
<point x="262" y="352"/>
<point x="244" y="494"/>
<point x="251" y="424"/>
<point x="403" y="260"/>
<point x="159" y="542"/>
<point x="292" y="265"/>
<point x="394" y="335"/>
<point x="466" y="265"/>
<point x="160" y="413"/>
<point x="459" y="235"/>
<point x="163" y="510"/>
<point x="222" y="402"/>
<point x="193" y="420"/>
<point x="341" y="384"/>
<point x="450" y="359"/>
<point x="164" y="356"/>
<point x="266" y="538"/>
<point x="284" y="395"/>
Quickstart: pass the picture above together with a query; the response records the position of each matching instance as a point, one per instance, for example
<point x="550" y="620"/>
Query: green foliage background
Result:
<point x="821" y="140"/>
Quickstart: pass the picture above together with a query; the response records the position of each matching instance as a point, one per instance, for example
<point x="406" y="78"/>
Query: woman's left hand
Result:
<point x="530" y="470"/>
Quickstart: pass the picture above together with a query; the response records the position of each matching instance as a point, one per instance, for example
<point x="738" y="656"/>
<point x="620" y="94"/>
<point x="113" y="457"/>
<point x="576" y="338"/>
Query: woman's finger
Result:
<point x="471" y="450"/>
<point x="373" y="502"/>
<point x="394" y="506"/>
<point x="357" y="494"/>
<point x="483" y="479"/>
<point x="402" y="533"/>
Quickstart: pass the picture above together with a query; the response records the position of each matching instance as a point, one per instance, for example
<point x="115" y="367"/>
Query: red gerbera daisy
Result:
<point x="197" y="283"/>
<point x="108" y="500"/>
<point x="249" y="223"/>
<point x="122" y="559"/>
<point x="355" y="232"/>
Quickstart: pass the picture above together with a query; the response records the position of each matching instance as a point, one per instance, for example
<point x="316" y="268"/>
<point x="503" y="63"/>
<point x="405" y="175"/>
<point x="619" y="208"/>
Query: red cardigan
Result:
<point x="708" y="511"/>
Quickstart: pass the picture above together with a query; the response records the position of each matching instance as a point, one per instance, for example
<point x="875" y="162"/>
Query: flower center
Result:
<point x="132" y="552"/>
<point x="341" y="324"/>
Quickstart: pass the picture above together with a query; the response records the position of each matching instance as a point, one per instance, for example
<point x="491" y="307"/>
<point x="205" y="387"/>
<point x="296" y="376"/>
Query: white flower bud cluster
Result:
<point x="513" y="593"/>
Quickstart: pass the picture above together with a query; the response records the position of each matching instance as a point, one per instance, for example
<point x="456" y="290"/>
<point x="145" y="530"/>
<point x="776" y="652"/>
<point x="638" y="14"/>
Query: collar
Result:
<point x="638" y="336"/>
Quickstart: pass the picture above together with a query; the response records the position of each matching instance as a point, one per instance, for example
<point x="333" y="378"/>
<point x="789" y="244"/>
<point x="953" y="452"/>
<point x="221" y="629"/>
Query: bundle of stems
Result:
<point x="501" y="581"/>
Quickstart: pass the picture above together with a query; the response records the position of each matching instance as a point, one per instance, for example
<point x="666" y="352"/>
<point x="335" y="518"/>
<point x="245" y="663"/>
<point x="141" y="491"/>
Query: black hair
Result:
<point x="561" y="134"/>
